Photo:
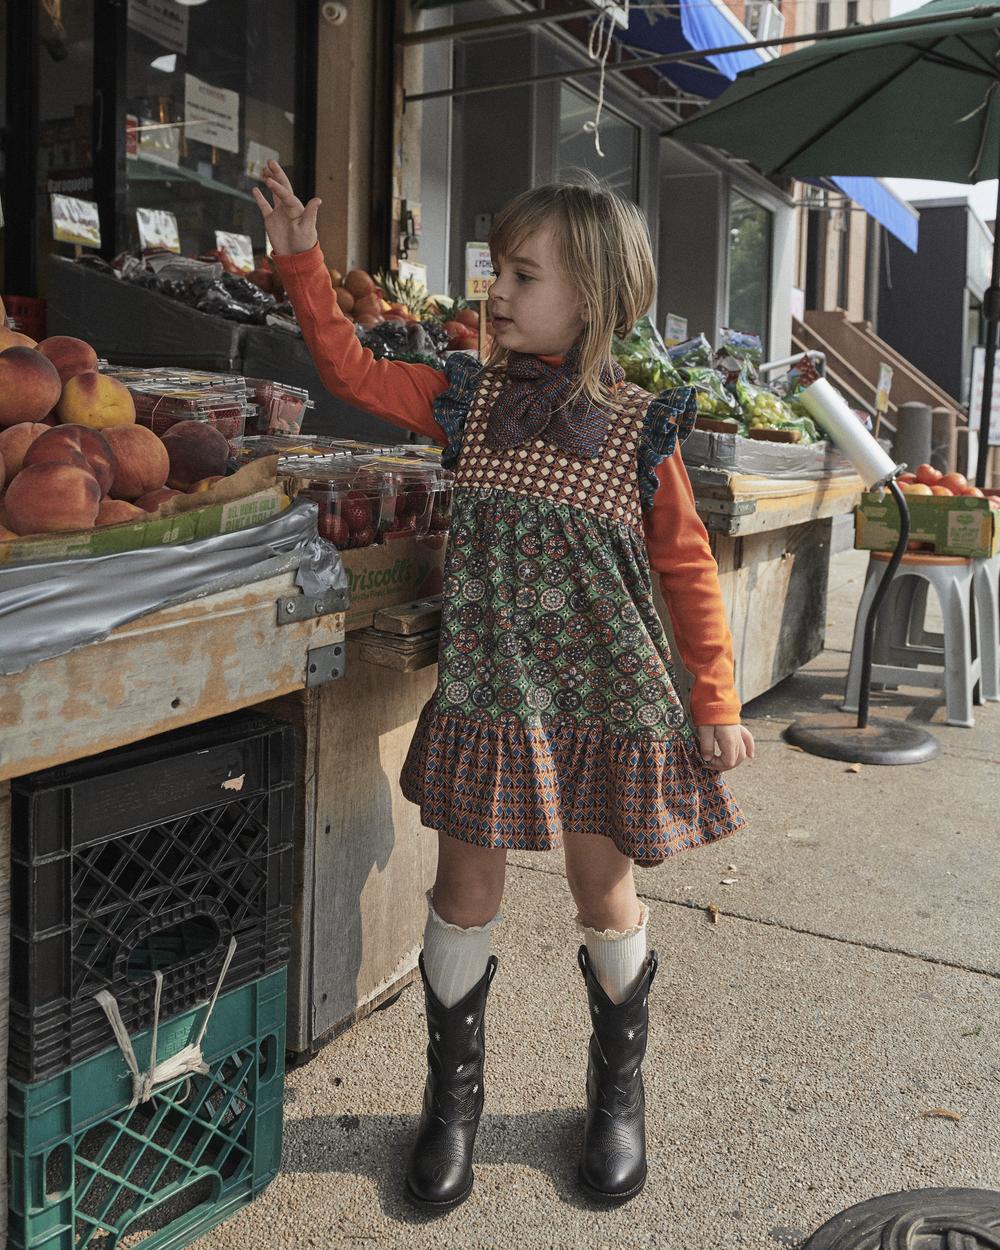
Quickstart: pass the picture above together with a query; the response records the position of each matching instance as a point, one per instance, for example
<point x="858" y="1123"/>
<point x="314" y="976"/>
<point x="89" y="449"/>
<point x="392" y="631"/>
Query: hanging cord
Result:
<point x="602" y="32"/>
<point x="186" y="1062"/>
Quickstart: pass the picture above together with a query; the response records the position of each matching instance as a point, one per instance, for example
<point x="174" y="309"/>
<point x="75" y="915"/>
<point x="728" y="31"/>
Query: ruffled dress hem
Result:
<point x="496" y="781"/>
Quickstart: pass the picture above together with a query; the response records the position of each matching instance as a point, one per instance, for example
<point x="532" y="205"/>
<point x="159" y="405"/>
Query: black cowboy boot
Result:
<point x="440" y="1172"/>
<point x="613" y="1162"/>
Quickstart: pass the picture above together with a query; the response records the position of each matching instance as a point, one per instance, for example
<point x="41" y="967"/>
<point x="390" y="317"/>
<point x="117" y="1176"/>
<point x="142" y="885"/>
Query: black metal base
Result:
<point x="836" y="736"/>
<point x="918" y="1219"/>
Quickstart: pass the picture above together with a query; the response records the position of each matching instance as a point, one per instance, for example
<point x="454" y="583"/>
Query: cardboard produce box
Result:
<point x="248" y="497"/>
<point x="964" y="525"/>
<point x="390" y="573"/>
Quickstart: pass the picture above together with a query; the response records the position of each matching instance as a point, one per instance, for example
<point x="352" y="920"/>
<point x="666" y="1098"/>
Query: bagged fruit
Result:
<point x="692" y="353"/>
<point x="711" y="396"/>
<point x="643" y="356"/>
<point x="763" y="409"/>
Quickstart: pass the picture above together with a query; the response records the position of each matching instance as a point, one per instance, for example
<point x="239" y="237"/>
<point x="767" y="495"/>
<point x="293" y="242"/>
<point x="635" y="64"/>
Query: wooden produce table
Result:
<point x="771" y="540"/>
<point x="360" y="862"/>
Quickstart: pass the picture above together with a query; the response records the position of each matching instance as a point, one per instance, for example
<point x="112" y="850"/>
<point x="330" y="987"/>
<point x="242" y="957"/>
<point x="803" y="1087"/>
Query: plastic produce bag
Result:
<point x="711" y="396"/>
<point x="763" y="409"/>
<point x="740" y="352"/>
<point x="693" y="353"/>
<point x="644" y="357"/>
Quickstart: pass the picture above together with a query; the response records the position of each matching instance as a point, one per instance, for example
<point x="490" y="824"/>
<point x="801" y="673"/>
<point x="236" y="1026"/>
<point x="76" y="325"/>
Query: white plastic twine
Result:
<point x="602" y="31"/>
<point x="186" y="1062"/>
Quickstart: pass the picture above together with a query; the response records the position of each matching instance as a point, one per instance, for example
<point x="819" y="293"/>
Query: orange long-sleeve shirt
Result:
<point x="676" y="539"/>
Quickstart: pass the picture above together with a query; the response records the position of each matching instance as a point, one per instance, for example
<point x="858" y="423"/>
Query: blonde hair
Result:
<point x="605" y="251"/>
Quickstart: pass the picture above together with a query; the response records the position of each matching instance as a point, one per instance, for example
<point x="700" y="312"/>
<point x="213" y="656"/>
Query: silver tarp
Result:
<point x="49" y="609"/>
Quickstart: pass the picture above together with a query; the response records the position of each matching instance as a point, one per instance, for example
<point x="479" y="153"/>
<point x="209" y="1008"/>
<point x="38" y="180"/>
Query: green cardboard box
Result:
<point x="390" y="573"/>
<point x="964" y="525"/>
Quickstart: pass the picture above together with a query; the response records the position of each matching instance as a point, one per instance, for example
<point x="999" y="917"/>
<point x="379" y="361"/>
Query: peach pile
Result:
<point x="71" y="454"/>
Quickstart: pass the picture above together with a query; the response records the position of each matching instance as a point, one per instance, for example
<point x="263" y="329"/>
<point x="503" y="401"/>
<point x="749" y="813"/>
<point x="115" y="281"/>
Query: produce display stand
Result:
<point x="174" y="667"/>
<point x="771" y="540"/>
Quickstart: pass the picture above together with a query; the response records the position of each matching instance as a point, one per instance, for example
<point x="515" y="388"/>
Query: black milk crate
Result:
<point x="149" y="858"/>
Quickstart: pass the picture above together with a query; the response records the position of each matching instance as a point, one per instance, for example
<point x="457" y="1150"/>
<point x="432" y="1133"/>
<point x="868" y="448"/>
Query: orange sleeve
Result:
<point x="401" y="393"/>
<point x="679" y="552"/>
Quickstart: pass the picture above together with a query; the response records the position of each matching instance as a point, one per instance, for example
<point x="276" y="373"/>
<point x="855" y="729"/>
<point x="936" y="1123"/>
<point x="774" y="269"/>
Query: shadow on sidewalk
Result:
<point x="378" y="1147"/>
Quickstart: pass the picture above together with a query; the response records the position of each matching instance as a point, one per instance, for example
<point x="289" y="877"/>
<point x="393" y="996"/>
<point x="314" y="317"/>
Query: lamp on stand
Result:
<point x="837" y="735"/>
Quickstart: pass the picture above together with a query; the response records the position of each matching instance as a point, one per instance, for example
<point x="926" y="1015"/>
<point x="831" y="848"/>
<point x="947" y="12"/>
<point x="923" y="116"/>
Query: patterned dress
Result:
<point x="556" y="707"/>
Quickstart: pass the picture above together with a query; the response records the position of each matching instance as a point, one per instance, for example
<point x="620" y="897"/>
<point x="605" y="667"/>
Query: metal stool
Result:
<point x="901" y="643"/>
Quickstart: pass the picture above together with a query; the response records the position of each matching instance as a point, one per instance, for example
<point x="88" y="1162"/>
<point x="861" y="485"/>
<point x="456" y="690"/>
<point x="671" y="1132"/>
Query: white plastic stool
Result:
<point x="986" y="590"/>
<point x="900" y="642"/>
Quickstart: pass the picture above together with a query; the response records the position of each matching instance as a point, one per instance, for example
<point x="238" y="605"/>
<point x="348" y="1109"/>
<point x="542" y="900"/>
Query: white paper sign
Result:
<point x="163" y="21"/>
<point x="413" y="271"/>
<point x="157" y="229"/>
<point x="212" y="114"/>
<point x="238" y="247"/>
<point x="478" y="270"/>
<point x="75" y="221"/>
<point x="976" y="397"/>
<point x="258" y="154"/>
<point x="676" y="330"/>
<point x="883" y="388"/>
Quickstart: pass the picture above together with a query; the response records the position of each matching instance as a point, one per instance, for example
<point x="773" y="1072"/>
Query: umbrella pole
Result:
<point x="991" y="310"/>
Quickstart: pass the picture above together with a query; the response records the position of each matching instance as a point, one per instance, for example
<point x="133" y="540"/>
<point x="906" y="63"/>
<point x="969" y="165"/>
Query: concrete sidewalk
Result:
<point x="849" y="987"/>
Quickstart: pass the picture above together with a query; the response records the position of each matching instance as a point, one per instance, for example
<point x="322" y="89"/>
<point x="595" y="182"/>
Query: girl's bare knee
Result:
<point x="469" y="885"/>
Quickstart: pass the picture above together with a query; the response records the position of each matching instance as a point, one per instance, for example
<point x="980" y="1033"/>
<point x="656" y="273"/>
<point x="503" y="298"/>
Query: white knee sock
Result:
<point x="455" y="958"/>
<point x="617" y="958"/>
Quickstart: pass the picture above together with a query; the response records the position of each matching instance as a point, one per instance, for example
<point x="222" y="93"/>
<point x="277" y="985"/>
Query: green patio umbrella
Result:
<point x="917" y="97"/>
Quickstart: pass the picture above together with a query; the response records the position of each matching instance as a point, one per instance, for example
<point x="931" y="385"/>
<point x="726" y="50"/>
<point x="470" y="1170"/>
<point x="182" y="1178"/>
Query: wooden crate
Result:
<point x="4" y="989"/>
<point x="362" y="858"/>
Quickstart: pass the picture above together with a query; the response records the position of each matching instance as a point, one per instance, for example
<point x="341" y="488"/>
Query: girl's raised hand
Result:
<point x="290" y="225"/>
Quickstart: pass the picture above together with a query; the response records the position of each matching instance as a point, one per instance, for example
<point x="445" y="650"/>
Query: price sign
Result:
<point x="238" y="247"/>
<point x="883" y="388"/>
<point x="478" y="271"/>
<point x="676" y="330"/>
<point x="75" y="221"/>
<point x="157" y="230"/>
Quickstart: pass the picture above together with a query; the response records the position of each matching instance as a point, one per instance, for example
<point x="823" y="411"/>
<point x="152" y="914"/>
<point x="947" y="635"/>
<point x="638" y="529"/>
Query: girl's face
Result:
<point x="533" y="305"/>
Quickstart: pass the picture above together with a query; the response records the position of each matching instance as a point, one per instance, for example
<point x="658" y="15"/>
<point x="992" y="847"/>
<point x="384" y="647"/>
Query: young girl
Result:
<point x="556" y="719"/>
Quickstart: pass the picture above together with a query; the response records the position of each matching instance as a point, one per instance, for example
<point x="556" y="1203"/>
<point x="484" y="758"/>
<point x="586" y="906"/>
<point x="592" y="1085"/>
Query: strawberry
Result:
<point x="440" y="519"/>
<point x="357" y="513"/>
<point x="363" y="537"/>
<point x="335" y="530"/>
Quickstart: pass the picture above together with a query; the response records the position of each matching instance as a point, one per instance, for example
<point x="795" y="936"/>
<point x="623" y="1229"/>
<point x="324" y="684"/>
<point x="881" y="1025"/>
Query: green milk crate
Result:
<point x="87" y="1172"/>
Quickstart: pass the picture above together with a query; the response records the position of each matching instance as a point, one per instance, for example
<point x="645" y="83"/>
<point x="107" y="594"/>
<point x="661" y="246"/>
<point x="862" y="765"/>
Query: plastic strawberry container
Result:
<point x="408" y="508"/>
<point x="354" y="499"/>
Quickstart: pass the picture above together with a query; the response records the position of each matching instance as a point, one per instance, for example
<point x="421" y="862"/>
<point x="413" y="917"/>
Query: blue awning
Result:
<point x="695" y="27"/>
<point x="900" y="218"/>
<point x="701" y="25"/>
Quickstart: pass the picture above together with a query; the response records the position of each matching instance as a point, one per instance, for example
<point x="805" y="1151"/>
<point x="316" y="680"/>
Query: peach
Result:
<point x="70" y="356"/>
<point x="206" y="483"/>
<point x="116" y="511"/>
<point x="14" y="338"/>
<point x="79" y="445"/>
<point x="152" y="501"/>
<point x="197" y="450"/>
<point x="96" y="400"/>
<point x="29" y="385"/>
<point x="50" y="497"/>
<point x="14" y="443"/>
<point x="143" y="463"/>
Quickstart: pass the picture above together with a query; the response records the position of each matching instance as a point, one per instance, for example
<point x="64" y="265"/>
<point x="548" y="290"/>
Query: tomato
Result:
<point x="972" y="490"/>
<point x="906" y="477"/>
<point x="927" y="474"/>
<point x="942" y="490"/>
<point x="954" y="481"/>
<point x="456" y="329"/>
<point x="468" y="317"/>
<point x="916" y="488"/>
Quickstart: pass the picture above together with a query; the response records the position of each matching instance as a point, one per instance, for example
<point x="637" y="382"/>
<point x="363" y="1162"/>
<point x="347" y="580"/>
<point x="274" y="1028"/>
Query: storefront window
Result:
<point x="619" y="142"/>
<point x="65" y="115"/>
<point x="210" y="96"/>
<point x="749" y="265"/>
